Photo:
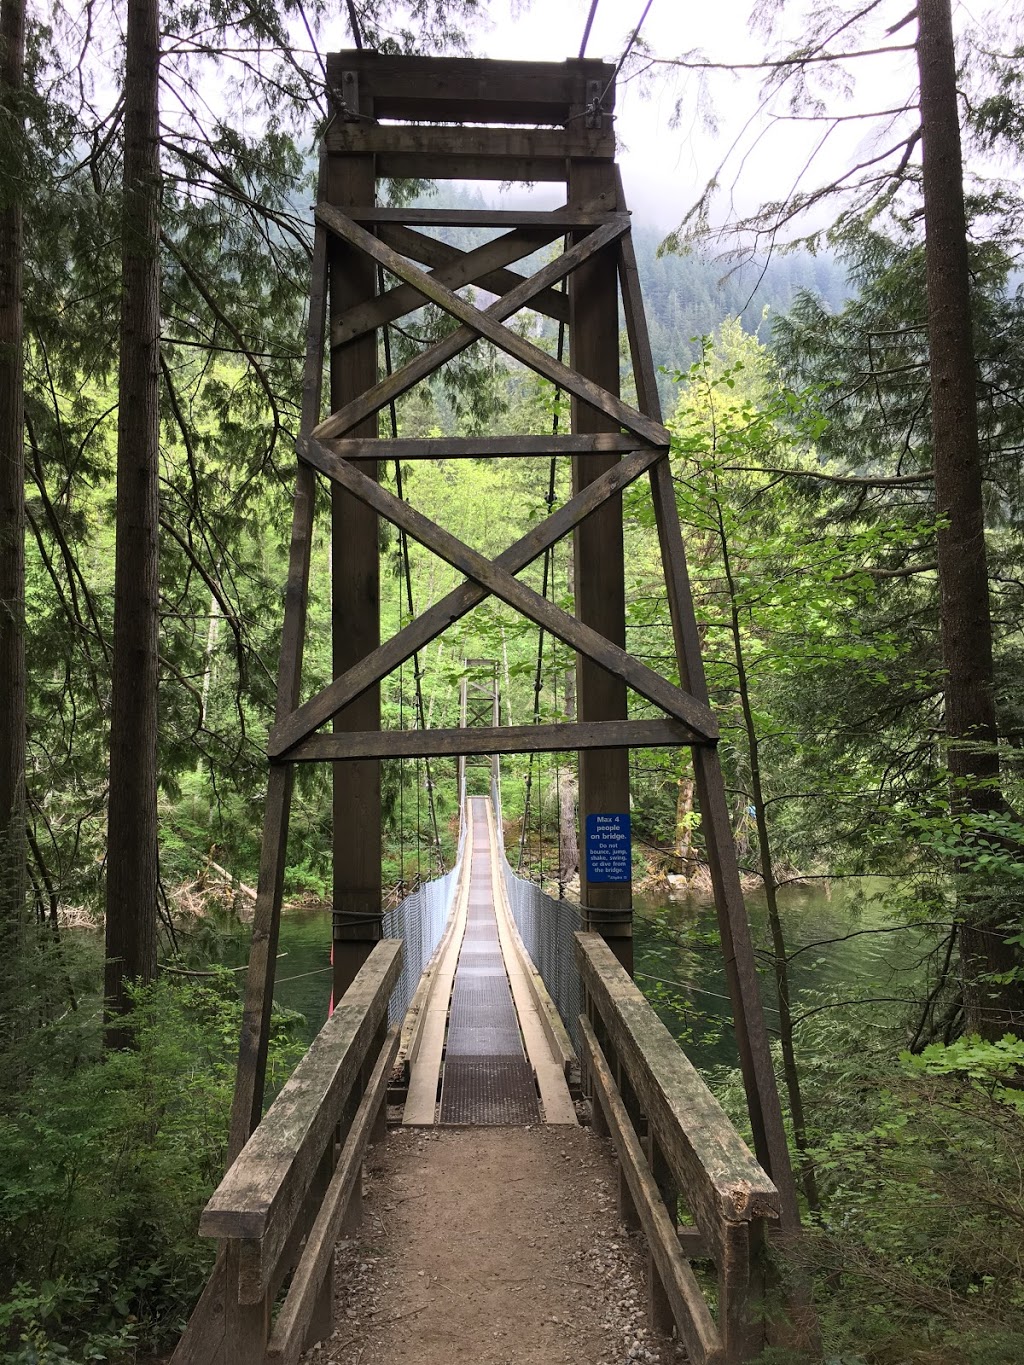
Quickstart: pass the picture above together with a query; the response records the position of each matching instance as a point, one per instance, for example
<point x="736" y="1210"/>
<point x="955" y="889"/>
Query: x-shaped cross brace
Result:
<point x="488" y="577"/>
<point x="482" y="323"/>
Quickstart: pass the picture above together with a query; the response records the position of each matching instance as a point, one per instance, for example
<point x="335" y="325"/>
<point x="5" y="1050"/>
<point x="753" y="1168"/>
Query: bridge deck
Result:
<point x="483" y="1049"/>
<point x="486" y="1077"/>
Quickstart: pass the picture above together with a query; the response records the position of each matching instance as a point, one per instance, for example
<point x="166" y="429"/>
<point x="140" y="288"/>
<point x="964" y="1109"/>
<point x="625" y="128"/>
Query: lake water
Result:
<point x="678" y="962"/>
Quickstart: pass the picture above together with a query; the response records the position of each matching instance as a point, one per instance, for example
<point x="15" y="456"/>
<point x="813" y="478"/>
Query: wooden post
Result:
<point x="246" y="1325"/>
<point x="627" y="1205"/>
<point x="741" y="1318"/>
<point x="322" y="1322"/>
<point x="659" y="1309"/>
<point x="598" y="562"/>
<point x="355" y="585"/>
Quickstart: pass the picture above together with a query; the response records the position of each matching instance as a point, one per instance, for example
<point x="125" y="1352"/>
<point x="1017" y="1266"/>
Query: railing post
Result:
<point x="741" y="1291"/>
<point x="598" y="1121"/>
<point x="659" y="1310"/>
<point x="627" y="1207"/>
<point x="246" y="1325"/>
<point x="321" y="1324"/>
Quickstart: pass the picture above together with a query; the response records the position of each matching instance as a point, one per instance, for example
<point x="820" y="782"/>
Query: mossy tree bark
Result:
<point x="991" y="1008"/>
<point x="12" y="481"/>
<point x="132" y="858"/>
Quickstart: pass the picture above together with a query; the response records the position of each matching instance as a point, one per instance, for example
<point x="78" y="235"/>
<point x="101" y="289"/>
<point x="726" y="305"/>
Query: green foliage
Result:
<point x="108" y="1160"/>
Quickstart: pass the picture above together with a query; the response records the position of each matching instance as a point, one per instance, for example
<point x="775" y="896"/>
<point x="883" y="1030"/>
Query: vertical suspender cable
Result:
<point x="407" y="569"/>
<point x="538" y="676"/>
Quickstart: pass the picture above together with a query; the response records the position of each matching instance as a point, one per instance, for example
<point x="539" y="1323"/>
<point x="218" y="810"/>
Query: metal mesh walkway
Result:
<point x="487" y="1078"/>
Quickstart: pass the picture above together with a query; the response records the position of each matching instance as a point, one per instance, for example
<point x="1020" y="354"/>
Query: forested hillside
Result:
<point x="858" y="575"/>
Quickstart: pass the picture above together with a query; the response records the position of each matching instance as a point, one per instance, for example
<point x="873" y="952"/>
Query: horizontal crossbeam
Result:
<point x="435" y="356"/>
<point x="502" y="584"/>
<point x="454" y="605"/>
<point x="471" y="90"/>
<point x="564" y="219"/>
<point x="532" y="144"/>
<point x="495" y="739"/>
<point x="479" y="447"/>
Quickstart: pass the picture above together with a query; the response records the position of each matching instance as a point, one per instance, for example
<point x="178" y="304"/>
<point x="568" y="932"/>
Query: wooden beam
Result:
<point x="759" y="1080"/>
<point x="470" y="89"/>
<point x="717" y="1174"/>
<point x="355" y="599"/>
<point x="504" y="739"/>
<point x="258" y="999"/>
<point x="502" y="584"/>
<point x="433" y="251"/>
<point x="452" y="607"/>
<point x="483" y="322"/>
<point x="562" y="220"/>
<point x="479" y="447"/>
<point x="434" y="356"/>
<point x="693" y="1319"/>
<point x="461" y="268"/>
<point x="289" y="1336"/>
<point x="534" y="145"/>
<point x="202" y="1341"/>
<point x="599" y="578"/>
<point x="259" y="1199"/>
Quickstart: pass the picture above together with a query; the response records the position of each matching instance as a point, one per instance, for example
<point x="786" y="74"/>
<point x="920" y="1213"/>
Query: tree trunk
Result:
<point x="132" y="860"/>
<point x="685" y="853"/>
<point x="990" y="1009"/>
<point x="12" y="491"/>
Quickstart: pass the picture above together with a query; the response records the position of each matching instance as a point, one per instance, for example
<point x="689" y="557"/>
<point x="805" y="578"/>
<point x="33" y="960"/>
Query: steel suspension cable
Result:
<point x="538" y="675"/>
<point x="587" y="27"/>
<point x="625" y="52"/>
<point x="417" y="674"/>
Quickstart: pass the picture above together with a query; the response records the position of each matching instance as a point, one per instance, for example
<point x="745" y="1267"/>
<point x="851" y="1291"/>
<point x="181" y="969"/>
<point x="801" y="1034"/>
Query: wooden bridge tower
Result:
<point x="457" y="119"/>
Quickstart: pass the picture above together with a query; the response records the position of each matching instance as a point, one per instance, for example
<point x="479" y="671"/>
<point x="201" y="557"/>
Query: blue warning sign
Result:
<point x="609" y="848"/>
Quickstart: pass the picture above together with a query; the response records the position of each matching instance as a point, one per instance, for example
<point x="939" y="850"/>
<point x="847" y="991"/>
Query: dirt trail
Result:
<point x="495" y="1246"/>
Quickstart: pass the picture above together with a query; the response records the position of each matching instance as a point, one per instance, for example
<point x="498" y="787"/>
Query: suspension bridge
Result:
<point x="478" y="1003"/>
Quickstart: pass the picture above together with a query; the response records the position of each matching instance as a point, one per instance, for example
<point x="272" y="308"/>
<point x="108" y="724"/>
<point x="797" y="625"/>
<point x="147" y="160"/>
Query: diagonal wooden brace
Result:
<point x="467" y="267"/>
<point x="503" y="585"/>
<point x="435" y="252"/>
<point x="482" y="322"/>
<point x="442" y="351"/>
<point x="432" y="622"/>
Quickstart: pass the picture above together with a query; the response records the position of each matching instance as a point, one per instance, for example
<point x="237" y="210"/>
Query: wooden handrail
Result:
<point x="279" y="1207"/>
<point x="647" y="1094"/>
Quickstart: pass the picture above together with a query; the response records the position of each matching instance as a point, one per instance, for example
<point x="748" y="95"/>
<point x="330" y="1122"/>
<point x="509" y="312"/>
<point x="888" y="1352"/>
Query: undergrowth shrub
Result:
<point x="108" y="1160"/>
<point x="918" y="1258"/>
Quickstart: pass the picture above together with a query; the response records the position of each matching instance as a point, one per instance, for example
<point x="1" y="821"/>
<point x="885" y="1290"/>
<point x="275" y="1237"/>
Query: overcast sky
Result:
<point x="664" y="167"/>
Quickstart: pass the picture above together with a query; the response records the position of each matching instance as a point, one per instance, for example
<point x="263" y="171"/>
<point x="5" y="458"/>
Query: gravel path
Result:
<point x="493" y="1246"/>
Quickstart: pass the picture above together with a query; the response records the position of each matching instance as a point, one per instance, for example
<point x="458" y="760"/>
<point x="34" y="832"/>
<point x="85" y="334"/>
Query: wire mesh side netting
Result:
<point x="546" y="927"/>
<point x="419" y="921"/>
